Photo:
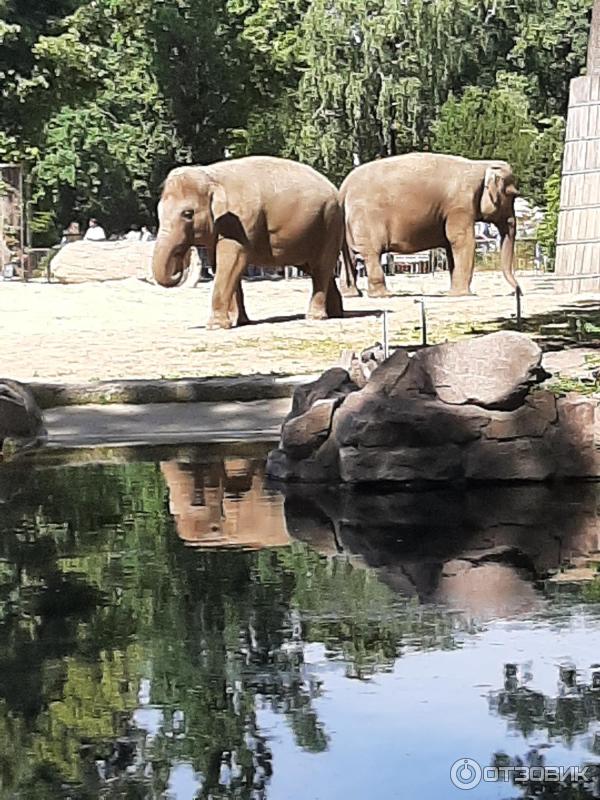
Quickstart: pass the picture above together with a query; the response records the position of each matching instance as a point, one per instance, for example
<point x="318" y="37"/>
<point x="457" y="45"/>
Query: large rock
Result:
<point x="494" y="371"/>
<point x="83" y="261"/>
<point x="305" y="433"/>
<point x="373" y="421"/>
<point x="334" y="383"/>
<point x="400" y="464"/>
<point x="20" y="418"/>
<point x="457" y="412"/>
<point x="514" y="460"/>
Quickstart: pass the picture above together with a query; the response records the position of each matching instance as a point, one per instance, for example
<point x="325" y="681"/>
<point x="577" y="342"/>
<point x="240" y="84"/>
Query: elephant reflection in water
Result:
<point x="224" y="504"/>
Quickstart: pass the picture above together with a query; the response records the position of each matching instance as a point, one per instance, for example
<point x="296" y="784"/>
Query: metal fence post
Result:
<point x="386" y="346"/>
<point x="423" y="321"/>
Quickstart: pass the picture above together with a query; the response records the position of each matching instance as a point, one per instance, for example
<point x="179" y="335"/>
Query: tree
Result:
<point x="499" y="124"/>
<point x="101" y="99"/>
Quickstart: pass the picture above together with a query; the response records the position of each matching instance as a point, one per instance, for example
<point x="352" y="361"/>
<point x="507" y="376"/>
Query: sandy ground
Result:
<point x="130" y="329"/>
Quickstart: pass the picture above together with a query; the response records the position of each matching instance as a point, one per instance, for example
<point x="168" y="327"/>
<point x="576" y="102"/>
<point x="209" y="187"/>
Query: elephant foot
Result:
<point x="237" y="320"/>
<point x="217" y="321"/>
<point x="351" y="291"/>
<point x="461" y="293"/>
<point x="380" y="290"/>
<point x="317" y="314"/>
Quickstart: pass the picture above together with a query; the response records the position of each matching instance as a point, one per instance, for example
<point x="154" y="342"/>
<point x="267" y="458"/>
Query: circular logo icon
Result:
<point x="466" y="773"/>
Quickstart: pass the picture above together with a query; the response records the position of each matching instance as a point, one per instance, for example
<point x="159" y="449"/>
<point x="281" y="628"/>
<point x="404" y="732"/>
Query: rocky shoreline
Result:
<point x="465" y="411"/>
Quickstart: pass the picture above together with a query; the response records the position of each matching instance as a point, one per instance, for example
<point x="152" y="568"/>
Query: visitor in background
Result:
<point x="133" y="234"/>
<point x="95" y="232"/>
<point x="146" y="234"/>
<point x="71" y="234"/>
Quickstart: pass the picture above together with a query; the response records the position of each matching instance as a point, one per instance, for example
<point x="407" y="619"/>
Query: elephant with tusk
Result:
<point x="254" y="210"/>
<point x="419" y="201"/>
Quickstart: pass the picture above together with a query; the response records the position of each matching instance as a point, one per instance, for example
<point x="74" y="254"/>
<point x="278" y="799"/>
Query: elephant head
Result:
<point x="190" y="204"/>
<point x="497" y="205"/>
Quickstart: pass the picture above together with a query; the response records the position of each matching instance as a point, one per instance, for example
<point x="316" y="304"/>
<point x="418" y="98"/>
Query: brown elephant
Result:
<point x="419" y="201"/>
<point x="254" y="210"/>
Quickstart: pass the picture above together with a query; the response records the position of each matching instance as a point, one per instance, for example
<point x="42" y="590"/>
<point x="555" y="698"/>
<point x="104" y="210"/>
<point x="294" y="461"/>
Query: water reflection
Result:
<point x="303" y="645"/>
<point x="225" y="504"/>
<point x="480" y="550"/>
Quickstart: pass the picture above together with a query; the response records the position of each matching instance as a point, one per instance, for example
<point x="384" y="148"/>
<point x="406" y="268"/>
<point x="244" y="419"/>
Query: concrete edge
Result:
<point x="180" y="390"/>
<point x="190" y="452"/>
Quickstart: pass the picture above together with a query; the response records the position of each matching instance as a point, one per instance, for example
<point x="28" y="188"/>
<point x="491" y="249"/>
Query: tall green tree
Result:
<point x="499" y="124"/>
<point x="101" y="99"/>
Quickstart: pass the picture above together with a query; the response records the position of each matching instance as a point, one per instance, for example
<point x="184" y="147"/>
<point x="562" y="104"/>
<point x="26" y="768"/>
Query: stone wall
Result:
<point x="467" y="411"/>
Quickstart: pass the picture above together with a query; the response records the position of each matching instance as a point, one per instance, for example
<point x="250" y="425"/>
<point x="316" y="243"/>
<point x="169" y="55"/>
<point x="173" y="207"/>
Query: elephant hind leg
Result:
<point x="348" y="273"/>
<point x="237" y="309"/>
<point x="375" y="275"/>
<point x="333" y="301"/>
<point x="326" y="300"/>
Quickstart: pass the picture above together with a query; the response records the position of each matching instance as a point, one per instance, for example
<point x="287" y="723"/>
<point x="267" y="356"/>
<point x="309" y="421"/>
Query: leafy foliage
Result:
<point x="100" y="99"/>
<point x="499" y="124"/>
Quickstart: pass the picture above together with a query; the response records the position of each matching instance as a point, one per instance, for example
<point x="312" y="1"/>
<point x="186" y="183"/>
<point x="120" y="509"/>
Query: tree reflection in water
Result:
<point x="147" y="610"/>
<point x="562" y="718"/>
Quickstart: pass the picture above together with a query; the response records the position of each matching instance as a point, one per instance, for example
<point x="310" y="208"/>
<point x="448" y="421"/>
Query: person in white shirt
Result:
<point x="146" y="234"/>
<point x="95" y="232"/>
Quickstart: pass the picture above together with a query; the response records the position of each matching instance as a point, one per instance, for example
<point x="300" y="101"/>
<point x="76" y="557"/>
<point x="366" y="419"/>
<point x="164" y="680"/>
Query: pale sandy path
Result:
<point x="129" y="329"/>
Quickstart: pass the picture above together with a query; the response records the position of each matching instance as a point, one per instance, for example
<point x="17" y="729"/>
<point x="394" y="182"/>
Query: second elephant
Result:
<point x="420" y="201"/>
<point x="256" y="210"/>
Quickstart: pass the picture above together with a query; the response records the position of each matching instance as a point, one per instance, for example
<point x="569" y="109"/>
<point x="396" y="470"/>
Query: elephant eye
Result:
<point x="188" y="213"/>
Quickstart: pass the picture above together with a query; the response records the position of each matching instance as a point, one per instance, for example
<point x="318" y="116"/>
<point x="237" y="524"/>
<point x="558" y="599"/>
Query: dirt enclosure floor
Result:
<point x="131" y="329"/>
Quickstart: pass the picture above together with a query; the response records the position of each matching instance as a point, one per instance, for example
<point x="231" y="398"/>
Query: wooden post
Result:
<point x="578" y="241"/>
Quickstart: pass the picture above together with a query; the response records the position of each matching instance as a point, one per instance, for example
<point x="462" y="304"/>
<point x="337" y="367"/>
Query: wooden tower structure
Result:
<point x="578" y="241"/>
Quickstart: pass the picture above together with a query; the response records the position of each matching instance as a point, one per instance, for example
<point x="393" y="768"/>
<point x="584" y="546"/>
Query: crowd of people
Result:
<point x="96" y="233"/>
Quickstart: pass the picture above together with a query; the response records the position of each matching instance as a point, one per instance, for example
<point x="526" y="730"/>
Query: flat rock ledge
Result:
<point x="180" y="390"/>
<point x="459" y="412"/>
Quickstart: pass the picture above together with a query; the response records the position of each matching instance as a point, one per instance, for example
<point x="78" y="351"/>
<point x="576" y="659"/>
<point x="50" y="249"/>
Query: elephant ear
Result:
<point x="218" y="201"/>
<point x="493" y="183"/>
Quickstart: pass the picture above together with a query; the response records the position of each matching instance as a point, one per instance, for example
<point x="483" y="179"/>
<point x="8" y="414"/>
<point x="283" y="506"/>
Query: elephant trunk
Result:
<point x="508" y="233"/>
<point x="169" y="261"/>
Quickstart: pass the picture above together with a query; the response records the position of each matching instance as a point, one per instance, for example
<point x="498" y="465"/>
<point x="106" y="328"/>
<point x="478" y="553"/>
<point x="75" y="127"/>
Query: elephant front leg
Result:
<point x="231" y="261"/>
<point x="376" y="286"/>
<point x="460" y="233"/>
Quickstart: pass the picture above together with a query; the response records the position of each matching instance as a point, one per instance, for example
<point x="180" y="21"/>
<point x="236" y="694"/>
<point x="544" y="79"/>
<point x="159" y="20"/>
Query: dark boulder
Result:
<point x="20" y="418"/>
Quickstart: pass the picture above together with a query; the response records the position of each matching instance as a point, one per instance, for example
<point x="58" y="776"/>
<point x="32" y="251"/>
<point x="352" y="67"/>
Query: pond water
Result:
<point x="177" y="628"/>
